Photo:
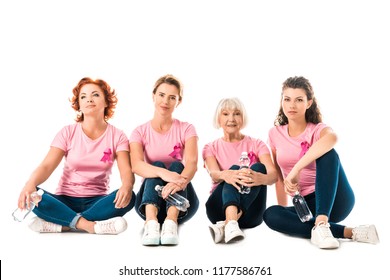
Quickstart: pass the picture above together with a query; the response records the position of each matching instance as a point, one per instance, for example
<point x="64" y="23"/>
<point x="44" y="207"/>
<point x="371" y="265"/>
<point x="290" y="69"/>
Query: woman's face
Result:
<point x="166" y="98"/>
<point x="231" y="120"/>
<point x="295" y="103"/>
<point x="92" y="100"/>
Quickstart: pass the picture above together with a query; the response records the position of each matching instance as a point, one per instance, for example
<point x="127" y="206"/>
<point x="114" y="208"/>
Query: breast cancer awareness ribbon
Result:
<point x="176" y="153"/>
<point x="107" y="156"/>
<point x="305" y="146"/>
<point x="253" y="158"/>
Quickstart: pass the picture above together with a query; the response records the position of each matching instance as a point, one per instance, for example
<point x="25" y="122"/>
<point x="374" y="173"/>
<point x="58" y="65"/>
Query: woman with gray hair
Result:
<point x="227" y="208"/>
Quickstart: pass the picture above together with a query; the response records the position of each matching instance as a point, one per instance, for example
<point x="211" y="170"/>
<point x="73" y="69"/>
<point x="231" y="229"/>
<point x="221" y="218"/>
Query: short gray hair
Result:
<point x="232" y="104"/>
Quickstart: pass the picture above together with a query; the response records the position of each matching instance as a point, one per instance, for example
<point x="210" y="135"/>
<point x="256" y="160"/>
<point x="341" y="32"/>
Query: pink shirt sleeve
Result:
<point x="61" y="140"/>
<point x="136" y="134"/>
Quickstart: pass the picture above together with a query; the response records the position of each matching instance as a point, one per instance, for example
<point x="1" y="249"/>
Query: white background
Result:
<point x="218" y="49"/>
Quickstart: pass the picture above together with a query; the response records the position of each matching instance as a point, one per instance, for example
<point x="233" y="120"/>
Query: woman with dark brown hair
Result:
<point x="303" y="151"/>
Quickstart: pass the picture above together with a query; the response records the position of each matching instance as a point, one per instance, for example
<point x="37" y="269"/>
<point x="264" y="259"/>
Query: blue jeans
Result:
<point x="333" y="197"/>
<point x="252" y="205"/>
<point x="66" y="210"/>
<point x="148" y="195"/>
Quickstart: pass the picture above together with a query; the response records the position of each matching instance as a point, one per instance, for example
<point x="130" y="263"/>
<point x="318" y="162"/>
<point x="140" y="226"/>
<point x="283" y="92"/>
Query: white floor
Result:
<point x="29" y="255"/>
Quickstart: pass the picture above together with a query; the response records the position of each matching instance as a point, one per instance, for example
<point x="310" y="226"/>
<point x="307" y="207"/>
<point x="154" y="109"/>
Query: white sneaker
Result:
<point x="365" y="233"/>
<point x="111" y="226"/>
<point x="169" y="233"/>
<point x="217" y="231"/>
<point x="40" y="225"/>
<point x="151" y="234"/>
<point x="323" y="237"/>
<point x="233" y="232"/>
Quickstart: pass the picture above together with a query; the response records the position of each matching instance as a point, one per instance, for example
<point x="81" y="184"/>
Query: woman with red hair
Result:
<point x="90" y="146"/>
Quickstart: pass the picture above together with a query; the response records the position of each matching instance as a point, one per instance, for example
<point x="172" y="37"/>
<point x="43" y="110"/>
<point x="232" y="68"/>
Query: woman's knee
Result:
<point x="270" y="214"/>
<point x="234" y="167"/>
<point x="259" y="167"/>
<point x="159" y="164"/>
<point x="176" y="166"/>
<point x="329" y="156"/>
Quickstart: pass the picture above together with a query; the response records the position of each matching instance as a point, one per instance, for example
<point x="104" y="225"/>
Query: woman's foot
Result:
<point x="366" y="234"/>
<point x="111" y="226"/>
<point x="323" y="237"/>
<point x="151" y="235"/>
<point x="217" y="231"/>
<point x="40" y="225"/>
<point x="169" y="234"/>
<point x="233" y="232"/>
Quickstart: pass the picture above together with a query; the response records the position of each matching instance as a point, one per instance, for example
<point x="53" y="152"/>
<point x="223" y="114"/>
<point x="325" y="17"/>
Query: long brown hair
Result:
<point x="313" y="113"/>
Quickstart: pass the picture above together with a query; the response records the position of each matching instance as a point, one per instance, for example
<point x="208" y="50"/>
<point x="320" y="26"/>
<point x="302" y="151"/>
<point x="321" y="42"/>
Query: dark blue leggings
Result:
<point x="333" y="197"/>
<point x="148" y="195"/>
<point x="252" y="205"/>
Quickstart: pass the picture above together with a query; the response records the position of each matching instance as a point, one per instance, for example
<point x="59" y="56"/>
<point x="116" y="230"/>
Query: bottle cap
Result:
<point x="40" y="192"/>
<point x="244" y="153"/>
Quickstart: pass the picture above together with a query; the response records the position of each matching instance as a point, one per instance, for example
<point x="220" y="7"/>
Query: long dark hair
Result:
<point x="313" y="113"/>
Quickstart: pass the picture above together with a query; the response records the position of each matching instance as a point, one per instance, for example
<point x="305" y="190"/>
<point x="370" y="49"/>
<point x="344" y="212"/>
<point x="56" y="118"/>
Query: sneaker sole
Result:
<point x="169" y="241"/>
<point x="234" y="239"/>
<point x="326" y="246"/>
<point x="151" y="242"/>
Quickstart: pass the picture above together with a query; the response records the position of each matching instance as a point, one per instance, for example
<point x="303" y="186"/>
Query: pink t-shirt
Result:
<point x="88" y="162"/>
<point x="228" y="153"/>
<point x="290" y="149"/>
<point x="165" y="147"/>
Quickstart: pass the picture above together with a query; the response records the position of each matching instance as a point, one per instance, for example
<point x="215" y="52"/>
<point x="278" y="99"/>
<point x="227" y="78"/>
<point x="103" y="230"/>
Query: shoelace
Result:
<point x="48" y="227"/>
<point x="324" y="230"/>
<point x="107" y="227"/>
<point x="360" y="234"/>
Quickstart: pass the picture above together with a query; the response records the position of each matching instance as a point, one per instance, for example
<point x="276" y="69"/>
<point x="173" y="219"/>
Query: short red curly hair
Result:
<point x="109" y="96"/>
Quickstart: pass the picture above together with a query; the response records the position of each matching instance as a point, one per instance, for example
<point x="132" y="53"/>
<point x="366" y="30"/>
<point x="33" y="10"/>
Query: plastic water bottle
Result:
<point x="176" y="199"/>
<point x="244" y="163"/>
<point x="20" y="214"/>
<point x="301" y="207"/>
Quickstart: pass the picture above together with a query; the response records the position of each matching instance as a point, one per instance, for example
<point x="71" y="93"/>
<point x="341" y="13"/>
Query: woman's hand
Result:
<point x="171" y="188"/>
<point x="123" y="197"/>
<point x="25" y="196"/>
<point x="173" y="177"/>
<point x="291" y="182"/>
<point x="246" y="176"/>
<point x="235" y="178"/>
<point x="251" y="178"/>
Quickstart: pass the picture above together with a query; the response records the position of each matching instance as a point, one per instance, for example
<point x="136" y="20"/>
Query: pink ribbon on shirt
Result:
<point x="176" y="152"/>
<point x="253" y="158"/>
<point x="305" y="146"/>
<point x="107" y="156"/>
